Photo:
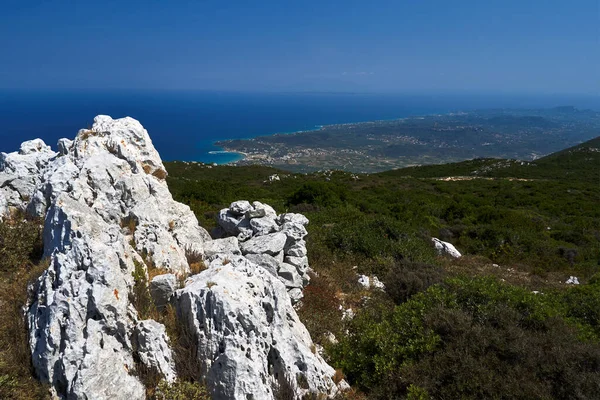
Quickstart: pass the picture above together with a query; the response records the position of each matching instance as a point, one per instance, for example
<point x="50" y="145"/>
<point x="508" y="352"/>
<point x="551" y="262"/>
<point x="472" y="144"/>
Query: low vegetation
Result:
<point x="21" y="265"/>
<point x="497" y="323"/>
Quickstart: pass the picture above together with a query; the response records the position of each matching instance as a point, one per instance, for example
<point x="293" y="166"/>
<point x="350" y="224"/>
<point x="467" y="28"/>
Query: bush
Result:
<point x="323" y="194"/>
<point x="474" y="338"/>
<point x="406" y="279"/>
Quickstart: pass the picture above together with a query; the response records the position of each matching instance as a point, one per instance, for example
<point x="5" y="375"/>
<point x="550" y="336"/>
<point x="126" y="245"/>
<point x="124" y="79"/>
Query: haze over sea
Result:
<point x="184" y="125"/>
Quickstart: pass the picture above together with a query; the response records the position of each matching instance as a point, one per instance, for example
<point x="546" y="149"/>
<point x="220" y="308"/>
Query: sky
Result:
<point x="483" y="46"/>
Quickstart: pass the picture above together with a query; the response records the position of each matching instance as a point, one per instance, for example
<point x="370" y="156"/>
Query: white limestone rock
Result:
<point x="289" y="276"/>
<point x="82" y="326"/>
<point x="20" y="174"/>
<point x="294" y="231"/>
<point x="573" y="280"/>
<point x="445" y="248"/>
<point x="240" y="207"/>
<point x="250" y="341"/>
<point x="377" y="284"/>
<point x="268" y="244"/>
<point x="64" y="146"/>
<point x="263" y="226"/>
<point x="264" y="209"/>
<point x="228" y="245"/>
<point x="153" y="349"/>
<point x="293" y="218"/>
<point x="161" y="288"/>
<point x="364" y="281"/>
<point x="265" y="261"/>
<point x="296" y="249"/>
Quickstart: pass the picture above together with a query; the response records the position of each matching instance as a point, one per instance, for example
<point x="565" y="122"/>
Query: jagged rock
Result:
<point x="298" y="219"/>
<point x="295" y="232"/>
<point x="153" y="349"/>
<point x="370" y="282"/>
<point x="364" y="281"/>
<point x="289" y="276"/>
<point x="162" y="288"/>
<point x="263" y="226"/>
<point x="445" y="248"/>
<point x="108" y="216"/>
<point x="240" y="207"/>
<point x="234" y="224"/>
<point x="377" y="284"/>
<point x="64" y="146"/>
<point x="295" y="295"/>
<point x="251" y="344"/>
<point x="573" y="280"/>
<point x="228" y="245"/>
<point x="103" y="194"/>
<point x="20" y="174"/>
<point x="265" y="261"/>
<point x="299" y="262"/>
<point x="254" y="213"/>
<point x="265" y="209"/>
<point x="297" y="249"/>
<point x="268" y="244"/>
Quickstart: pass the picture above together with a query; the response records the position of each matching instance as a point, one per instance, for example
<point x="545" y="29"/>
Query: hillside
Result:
<point x="395" y="317"/>
<point x="523" y="227"/>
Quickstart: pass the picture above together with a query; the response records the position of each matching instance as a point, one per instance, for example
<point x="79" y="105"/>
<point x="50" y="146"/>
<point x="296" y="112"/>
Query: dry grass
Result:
<point x="338" y="376"/>
<point x="16" y="375"/>
<point x="160" y="174"/>
<point x="195" y="260"/>
<point x="519" y="275"/>
<point x="152" y="272"/>
<point x="130" y="223"/>
<point x="147" y="168"/>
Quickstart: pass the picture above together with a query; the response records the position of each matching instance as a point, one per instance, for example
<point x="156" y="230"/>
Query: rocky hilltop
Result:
<point x="108" y="214"/>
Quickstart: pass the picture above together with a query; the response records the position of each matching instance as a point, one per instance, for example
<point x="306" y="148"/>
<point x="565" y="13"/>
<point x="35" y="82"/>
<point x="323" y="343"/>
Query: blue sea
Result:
<point x="184" y="124"/>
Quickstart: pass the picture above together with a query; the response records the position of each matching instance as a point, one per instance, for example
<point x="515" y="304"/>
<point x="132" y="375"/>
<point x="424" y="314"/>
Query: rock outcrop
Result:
<point x="445" y="248"/>
<point x="275" y="242"/>
<point x="109" y="216"/>
<point x="250" y="340"/>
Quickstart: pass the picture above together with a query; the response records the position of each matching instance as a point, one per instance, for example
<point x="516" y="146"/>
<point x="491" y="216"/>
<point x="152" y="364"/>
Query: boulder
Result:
<point x="296" y="249"/>
<point x="445" y="248"/>
<point x="108" y="216"/>
<point x="153" y="349"/>
<point x="289" y="276"/>
<point x="21" y="173"/>
<point x="268" y="244"/>
<point x="240" y="207"/>
<point x="264" y="209"/>
<point x="228" y="245"/>
<point x="263" y="226"/>
<point x="251" y="344"/>
<point x="265" y="261"/>
<point x="162" y="288"/>
<point x="364" y="281"/>
<point x="297" y="219"/>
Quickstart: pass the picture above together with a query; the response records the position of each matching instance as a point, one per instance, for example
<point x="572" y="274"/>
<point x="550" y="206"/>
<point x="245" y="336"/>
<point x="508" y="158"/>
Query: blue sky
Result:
<point x="489" y="46"/>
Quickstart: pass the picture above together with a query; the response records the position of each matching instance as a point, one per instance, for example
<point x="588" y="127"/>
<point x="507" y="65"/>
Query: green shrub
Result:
<point x="406" y="279"/>
<point x="473" y="338"/>
<point x="323" y="194"/>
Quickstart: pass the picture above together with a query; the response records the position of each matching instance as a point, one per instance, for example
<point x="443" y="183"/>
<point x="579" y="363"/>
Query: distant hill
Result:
<point x="580" y="163"/>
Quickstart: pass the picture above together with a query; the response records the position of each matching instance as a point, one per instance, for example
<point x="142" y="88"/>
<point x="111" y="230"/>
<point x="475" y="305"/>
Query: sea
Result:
<point x="184" y="125"/>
